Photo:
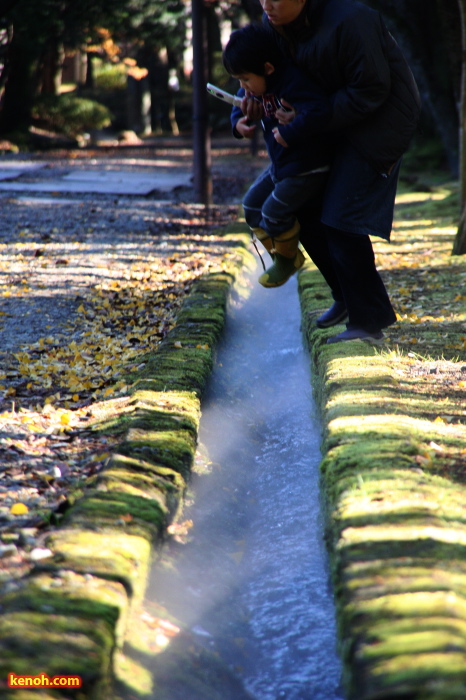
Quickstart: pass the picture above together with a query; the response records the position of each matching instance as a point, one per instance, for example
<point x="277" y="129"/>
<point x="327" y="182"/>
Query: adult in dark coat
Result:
<point x="346" y="47"/>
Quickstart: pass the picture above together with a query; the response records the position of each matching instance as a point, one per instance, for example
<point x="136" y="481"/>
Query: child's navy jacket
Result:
<point x="309" y="147"/>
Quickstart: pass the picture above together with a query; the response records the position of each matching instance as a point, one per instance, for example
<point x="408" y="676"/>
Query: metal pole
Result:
<point x="201" y="134"/>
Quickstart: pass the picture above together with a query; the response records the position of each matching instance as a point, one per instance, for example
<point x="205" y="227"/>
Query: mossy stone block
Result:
<point x="111" y="554"/>
<point x="32" y="643"/>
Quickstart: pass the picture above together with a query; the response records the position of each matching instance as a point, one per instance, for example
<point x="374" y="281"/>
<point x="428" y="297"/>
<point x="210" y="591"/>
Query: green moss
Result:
<point x="69" y="593"/>
<point x="111" y="554"/>
<point x="151" y="410"/>
<point x="32" y="643"/>
<point x="174" y="449"/>
<point x="138" y="516"/>
<point x="168" y="479"/>
<point x="146" y="485"/>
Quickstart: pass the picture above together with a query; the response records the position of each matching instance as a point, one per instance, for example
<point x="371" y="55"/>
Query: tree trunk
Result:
<point x="202" y="175"/>
<point x="52" y="67"/>
<point x="21" y="85"/>
<point x="459" y="246"/>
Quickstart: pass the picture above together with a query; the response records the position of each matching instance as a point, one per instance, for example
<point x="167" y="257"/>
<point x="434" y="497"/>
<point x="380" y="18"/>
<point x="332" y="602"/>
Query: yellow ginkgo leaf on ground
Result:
<point x="19" y="509"/>
<point x="100" y="457"/>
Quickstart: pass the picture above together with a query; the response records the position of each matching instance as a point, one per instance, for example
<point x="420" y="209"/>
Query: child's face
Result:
<point x="252" y="83"/>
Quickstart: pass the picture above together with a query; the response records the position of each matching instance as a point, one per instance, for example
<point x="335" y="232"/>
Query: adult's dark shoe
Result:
<point x="336" y="314"/>
<point x="357" y="334"/>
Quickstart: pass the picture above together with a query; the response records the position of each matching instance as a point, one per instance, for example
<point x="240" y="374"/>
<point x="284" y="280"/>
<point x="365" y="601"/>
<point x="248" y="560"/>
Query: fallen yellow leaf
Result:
<point x="19" y="509"/>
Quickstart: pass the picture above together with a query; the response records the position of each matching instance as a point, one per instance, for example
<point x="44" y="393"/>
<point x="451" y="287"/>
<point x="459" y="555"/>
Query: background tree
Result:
<point x="428" y="32"/>
<point x="459" y="246"/>
<point x="37" y="33"/>
<point x="433" y="34"/>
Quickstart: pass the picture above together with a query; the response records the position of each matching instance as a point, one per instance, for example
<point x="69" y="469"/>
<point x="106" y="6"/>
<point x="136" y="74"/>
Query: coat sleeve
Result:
<point x="312" y="105"/>
<point x="312" y="117"/>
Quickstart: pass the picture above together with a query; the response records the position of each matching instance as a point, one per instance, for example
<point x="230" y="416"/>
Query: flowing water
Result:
<point x="251" y="584"/>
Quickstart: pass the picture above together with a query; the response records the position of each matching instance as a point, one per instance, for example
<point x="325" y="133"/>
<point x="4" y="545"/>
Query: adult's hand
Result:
<point x="285" y="116"/>
<point x="245" y="128"/>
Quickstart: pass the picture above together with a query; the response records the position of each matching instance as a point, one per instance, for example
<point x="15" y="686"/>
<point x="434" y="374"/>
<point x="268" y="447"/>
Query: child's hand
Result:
<point x="251" y="108"/>
<point x="285" y="116"/>
<point x="245" y="128"/>
<point x="279" y="138"/>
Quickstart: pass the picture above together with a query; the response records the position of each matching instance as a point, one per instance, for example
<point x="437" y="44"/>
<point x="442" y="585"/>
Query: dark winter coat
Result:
<point x="308" y="147"/>
<point x="346" y="47"/>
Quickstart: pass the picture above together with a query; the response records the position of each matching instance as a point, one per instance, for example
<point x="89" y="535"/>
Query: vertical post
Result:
<point x="462" y="120"/>
<point x="459" y="244"/>
<point x="201" y="135"/>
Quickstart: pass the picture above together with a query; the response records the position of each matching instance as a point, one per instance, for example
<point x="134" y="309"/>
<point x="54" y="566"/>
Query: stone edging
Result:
<point x="396" y="533"/>
<point x="69" y="615"/>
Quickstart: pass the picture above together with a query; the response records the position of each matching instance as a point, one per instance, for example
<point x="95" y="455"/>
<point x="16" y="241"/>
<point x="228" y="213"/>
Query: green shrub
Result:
<point x="71" y="115"/>
<point x="109" y="76"/>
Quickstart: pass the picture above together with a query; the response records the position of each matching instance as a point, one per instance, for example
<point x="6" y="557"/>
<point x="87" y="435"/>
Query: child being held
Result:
<point x="300" y="151"/>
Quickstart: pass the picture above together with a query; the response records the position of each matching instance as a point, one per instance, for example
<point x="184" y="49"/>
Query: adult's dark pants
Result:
<point x="346" y="261"/>
<point x="358" y="202"/>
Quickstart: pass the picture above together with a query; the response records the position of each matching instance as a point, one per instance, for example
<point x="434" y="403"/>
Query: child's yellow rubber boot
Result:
<point x="287" y="258"/>
<point x="262" y="236"/>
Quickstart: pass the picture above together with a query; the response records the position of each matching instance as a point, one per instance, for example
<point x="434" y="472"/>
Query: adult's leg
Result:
<point x="364" y="293"/>
<point x="358" y="202"/>
<point x="346" y="261"/>
<point x="313" y="238"/>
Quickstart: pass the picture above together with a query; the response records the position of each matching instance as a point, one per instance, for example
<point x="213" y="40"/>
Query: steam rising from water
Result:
<point x="252" y="583"/>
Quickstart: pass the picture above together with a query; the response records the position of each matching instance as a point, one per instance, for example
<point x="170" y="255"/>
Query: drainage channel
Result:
<point x="246" y="578"/>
